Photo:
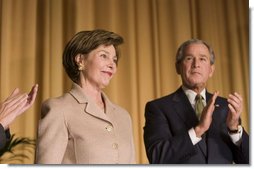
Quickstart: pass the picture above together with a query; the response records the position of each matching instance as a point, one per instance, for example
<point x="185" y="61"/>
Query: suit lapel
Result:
<point x="215" y="125"/>
<point x="110" y="108"/>
<point x="206" y="143"/>
<point x="188" y="115"/>
<point x="89" y="106"/>
<point x="184" y="109"/>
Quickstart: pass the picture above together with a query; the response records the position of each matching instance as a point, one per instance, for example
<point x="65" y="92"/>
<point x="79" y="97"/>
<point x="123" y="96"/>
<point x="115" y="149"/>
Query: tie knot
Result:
<point x="198" y="97"/>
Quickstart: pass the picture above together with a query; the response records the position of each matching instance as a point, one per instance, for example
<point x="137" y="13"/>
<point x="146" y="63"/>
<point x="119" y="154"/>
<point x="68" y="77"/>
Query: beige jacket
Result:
<point x="73" y="130"/>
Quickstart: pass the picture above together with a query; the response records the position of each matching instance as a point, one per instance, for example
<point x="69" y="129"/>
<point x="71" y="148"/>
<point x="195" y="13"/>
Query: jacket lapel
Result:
<point x="218" y="117"/>
<point x="205" y="142"/>
<point x="89" y="106"/>
<point x="184" y="109"/>
<point x="188" y="115"/>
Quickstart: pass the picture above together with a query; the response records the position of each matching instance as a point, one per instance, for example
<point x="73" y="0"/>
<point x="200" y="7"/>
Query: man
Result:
<point x="13" y="106"/>
<point x="174" y="134"/>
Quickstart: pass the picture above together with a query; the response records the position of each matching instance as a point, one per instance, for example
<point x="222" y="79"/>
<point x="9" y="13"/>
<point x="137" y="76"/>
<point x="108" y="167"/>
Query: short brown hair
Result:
<point x="83" y="43"/>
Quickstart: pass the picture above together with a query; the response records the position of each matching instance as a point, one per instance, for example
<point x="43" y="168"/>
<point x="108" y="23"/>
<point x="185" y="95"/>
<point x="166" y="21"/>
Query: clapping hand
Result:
<point x="235" y="109"/>
<point x="16" y="104"/>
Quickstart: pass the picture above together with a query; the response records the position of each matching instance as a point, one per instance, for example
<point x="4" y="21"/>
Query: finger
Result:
<point x="237" y="106"/>
<point x="234" y="114"/>
<point x="211" y="102"/>
<point x="20" y="108"/>
<point x="17" y="108"/>
<point x="234" y="98"/>
<point x="31" y="97"/>
<point x="215" y="95"/>
<point x="10" y="116"/>
<point x="232" y="109"/>
<point x="11" y="104"/>
<point x="238" y="96"/>
<point x="14" y="93"/>
<point x="33" y="93"/>
<point x="15" y="97"/>
<point x="236" y="102"/>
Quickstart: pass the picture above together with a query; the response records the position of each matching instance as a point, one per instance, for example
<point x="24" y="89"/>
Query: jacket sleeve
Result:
<point x="52" y="135"/>
<point x="133" y="157"/>
<point x="2" y="137"/>
<point x="241" y="153"/>
<point x="162" y="145"/>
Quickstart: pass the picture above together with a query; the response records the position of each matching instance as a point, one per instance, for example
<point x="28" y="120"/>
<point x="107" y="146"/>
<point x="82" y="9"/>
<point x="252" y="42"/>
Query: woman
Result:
<point x="83" y="126"/>
<point x="16" y="104"/>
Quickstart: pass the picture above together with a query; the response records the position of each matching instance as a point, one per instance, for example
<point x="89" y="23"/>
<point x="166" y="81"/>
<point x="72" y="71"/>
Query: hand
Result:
<point x="235" y="109"/>
<point x="206" y="116"/>
<point x="15" y="105"/>
<point x="30" y="99"/>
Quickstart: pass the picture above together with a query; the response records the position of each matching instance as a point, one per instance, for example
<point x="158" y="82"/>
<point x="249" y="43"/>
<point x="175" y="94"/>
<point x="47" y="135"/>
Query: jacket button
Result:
<point x="115" y="146"/>
<point x="109" y="128"/>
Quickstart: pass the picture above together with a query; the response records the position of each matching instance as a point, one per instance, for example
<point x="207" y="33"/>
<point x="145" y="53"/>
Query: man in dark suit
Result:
<point x="16" y="104"/>
<point x="174" y="134"/>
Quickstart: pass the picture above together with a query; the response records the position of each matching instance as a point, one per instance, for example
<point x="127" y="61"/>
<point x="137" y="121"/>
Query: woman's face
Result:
<point x="100" y="66"/>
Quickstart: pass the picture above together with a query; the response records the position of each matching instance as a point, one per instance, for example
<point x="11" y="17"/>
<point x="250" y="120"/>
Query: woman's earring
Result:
<point x="80" y="67"/>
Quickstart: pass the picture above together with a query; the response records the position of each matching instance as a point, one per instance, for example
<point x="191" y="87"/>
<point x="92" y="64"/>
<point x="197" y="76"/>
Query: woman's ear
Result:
<point x="79" y="59"/>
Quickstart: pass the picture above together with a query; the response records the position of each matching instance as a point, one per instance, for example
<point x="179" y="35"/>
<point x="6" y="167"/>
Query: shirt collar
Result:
<point x="192" y="95"/>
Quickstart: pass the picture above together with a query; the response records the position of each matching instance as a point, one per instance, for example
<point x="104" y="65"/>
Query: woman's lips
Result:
<point x="108" y="73"/>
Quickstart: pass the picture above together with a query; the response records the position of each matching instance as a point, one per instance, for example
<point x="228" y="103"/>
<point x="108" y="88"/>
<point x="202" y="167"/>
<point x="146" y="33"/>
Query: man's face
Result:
<point x="195" y="68"/>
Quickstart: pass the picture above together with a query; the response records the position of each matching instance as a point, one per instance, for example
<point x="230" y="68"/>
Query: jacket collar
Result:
<point x="184" y="108"/>
<point x="91" y="108"/>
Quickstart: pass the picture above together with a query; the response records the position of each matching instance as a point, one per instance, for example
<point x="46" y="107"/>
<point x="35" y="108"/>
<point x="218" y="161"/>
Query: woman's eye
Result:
<point x="103" y="56"/>
<point x="115" y="60"/>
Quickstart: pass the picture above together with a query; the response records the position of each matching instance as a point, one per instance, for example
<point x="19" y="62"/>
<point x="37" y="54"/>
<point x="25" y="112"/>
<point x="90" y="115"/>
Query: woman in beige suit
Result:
<point x="83" y="126"/>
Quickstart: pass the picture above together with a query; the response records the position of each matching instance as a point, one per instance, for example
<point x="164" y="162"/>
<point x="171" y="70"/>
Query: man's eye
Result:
<point x="188" y="58"/>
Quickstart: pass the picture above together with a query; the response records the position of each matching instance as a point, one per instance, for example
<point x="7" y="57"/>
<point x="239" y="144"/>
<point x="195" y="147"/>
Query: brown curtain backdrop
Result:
<point x="33" y="34"/>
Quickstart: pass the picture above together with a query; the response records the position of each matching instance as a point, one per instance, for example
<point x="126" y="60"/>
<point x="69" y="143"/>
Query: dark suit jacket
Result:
<point x="166" y="137"/>
<point x="4" y="136"/>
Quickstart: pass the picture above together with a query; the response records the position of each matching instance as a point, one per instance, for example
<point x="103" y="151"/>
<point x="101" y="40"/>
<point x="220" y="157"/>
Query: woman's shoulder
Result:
<point x="60" y="101"/>
<point x="55" y="106"/>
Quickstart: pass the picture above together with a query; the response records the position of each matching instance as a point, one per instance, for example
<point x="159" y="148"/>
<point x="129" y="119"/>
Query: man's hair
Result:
<point x="180" y="52"/>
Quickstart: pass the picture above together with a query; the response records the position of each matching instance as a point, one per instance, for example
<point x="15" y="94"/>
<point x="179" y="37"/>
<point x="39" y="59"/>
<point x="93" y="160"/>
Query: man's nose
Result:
<point x="196" y="62"/>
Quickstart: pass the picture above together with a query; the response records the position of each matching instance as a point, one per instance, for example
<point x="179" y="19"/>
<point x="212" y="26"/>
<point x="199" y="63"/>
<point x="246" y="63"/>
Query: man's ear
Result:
<point x="212" y="70"/>
<point x="177" y="65"/>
